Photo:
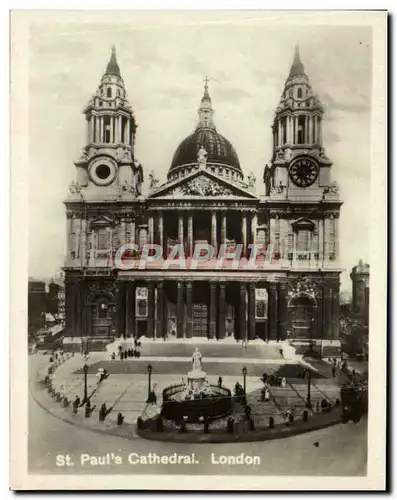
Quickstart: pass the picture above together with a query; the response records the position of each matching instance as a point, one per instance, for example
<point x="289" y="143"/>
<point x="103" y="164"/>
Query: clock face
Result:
<point x="303" y="172"/>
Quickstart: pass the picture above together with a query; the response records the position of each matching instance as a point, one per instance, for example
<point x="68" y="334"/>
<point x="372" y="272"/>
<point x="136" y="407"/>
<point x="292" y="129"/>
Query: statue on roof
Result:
<point x="202" y="157"/>
<point x="153" y="181"/>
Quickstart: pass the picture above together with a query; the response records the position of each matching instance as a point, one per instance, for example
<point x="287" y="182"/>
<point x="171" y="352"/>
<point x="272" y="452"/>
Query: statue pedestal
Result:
<point x="196" y="379"/>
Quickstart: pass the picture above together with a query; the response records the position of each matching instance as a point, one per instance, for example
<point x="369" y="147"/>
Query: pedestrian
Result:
<point x="220" y="381"/>
<point x="102" y="412"/>
<point x="281" y="351"/>
<point x="283" y="382"/>
<point x="138" y="353"/>
<point x="333" y="371"/>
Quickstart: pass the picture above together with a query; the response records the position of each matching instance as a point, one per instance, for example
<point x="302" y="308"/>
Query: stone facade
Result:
<point x="205" y="200"/>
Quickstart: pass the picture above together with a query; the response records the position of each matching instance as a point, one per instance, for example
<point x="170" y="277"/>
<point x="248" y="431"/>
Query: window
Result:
<point x="303" y="238"/>
<point x="107" y="129"/>
<point x="109" y="92"/>
<point x="118" y="92"/>
<point x="301" y="129"/>
<point x="261" y="300"/>
<point x="299" y="93"/>
<point x="102" y="239"/>
<point x="141" y="302"/>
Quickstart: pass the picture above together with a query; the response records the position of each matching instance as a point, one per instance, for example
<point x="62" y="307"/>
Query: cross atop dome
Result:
<point x="205" y="110"/>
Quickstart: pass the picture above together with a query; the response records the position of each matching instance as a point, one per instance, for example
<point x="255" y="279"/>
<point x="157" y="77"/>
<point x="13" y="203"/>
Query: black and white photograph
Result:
<point x="201" y="191"/>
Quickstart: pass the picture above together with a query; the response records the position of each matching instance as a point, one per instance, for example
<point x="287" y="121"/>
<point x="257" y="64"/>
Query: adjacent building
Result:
<point x="208" y="198"/>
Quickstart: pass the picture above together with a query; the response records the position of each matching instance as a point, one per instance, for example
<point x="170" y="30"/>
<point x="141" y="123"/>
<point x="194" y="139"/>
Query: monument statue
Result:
<point x="196" y="359"/>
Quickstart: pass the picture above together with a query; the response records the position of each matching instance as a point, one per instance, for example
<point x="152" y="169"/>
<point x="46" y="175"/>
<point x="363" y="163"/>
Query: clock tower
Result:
<point x="304" y="206"/>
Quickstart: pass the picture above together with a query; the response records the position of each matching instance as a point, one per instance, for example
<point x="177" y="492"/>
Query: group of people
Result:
<point x="273" y="380"/>
<point x="128" y="353"/>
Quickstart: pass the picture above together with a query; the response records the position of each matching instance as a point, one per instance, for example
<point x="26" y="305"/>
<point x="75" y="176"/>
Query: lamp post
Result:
<point x="309" y="380"/>
<point x="244" y="380"/>
<point x="149" y="371"/>
<point x="85" y="370"/>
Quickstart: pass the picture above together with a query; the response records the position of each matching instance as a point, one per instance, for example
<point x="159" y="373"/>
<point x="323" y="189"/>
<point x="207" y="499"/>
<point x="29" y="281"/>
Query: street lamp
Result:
<point x="245" y="376"/>
<point x="149" y="371"/>
<point x="85" y="370"/>
<point x="309" y="380"/>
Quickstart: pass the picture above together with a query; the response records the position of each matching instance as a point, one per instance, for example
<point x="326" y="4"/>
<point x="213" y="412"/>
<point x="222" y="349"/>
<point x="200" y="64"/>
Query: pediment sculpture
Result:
<point x="203" y="187"/>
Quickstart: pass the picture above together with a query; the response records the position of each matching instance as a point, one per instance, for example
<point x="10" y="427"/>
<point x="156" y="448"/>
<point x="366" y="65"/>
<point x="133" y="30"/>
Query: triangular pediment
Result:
<point x="202" y="184"/>
<point x="303" y="223"/>
<point x="102" y="221"/>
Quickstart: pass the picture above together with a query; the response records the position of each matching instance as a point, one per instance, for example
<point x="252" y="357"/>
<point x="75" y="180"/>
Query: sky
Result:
<point x="163" y="66"/>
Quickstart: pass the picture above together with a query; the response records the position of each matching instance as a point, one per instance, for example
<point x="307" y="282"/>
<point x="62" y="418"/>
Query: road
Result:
<point x="341" y="451"/>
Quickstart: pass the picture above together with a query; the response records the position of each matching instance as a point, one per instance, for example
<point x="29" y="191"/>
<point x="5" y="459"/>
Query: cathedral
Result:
<point x="293" y="211"/>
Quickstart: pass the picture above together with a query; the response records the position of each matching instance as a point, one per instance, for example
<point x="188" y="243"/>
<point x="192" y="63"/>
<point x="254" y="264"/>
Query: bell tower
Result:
<point x="299" y="165"/>
<point x="107" y="167"/>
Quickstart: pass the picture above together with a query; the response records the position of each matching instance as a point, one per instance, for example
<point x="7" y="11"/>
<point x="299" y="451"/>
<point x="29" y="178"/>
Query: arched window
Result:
<point x="299" y="93"/>
<point x="109" y="92"/>
<point x="118" y="92"/>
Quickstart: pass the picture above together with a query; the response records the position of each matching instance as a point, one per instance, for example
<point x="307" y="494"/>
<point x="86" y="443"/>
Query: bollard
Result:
<point x="305" y="416"/>
<point x="271" y="422"/>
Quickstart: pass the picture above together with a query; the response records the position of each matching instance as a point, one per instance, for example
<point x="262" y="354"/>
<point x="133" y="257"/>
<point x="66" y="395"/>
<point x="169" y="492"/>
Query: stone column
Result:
<point x="69" y="234"/>
<point x="130" y="309"/>
<point x="282" y="311"/>
<point x="244" y="233"/>
<point x="128" y="132"/>
<point x="120" y="309"/>
<point x="243" y="311"/>
<point x="223" y="228"/>
<point x="254" y="224"/>
<point x="160" y="311"/>
<point x="132" y="232"/>
<point x="336" y="313"/>
<point x="161" y="231"/>
<point x="221" y="310"/>
<point x="189" y="310"/>
<point x="291" y="130"/>
<point x="151" y="230"/>
<point x="273" y="312"/>
<point x="119" y="133"/>
<point x="83" y="254"/>
<point x="213" y="310"/>
<point x="180" y="229"/>
<point x="190" y="234"/>
<point x="150" y="318"/>
<point x="122" y="232"/>
<point x="214" y="242"/>
<point x="101" y="130"/>
<point x="180" y="310"/>
<point x="251" y="311"/>
<point x="279" y="132"/>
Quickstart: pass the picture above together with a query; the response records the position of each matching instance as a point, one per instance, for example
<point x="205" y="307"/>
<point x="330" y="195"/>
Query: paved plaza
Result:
<point x="126" y="388"/>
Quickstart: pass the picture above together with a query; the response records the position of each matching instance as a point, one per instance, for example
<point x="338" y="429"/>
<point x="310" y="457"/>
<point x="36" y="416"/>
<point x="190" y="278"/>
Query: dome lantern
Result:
<point x="221" y="157"/>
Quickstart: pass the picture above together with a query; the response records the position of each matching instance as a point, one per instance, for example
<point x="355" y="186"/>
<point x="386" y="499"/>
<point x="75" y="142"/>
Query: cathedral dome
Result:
<point x="219" y="149"/>
<point x="219" y="153"/>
